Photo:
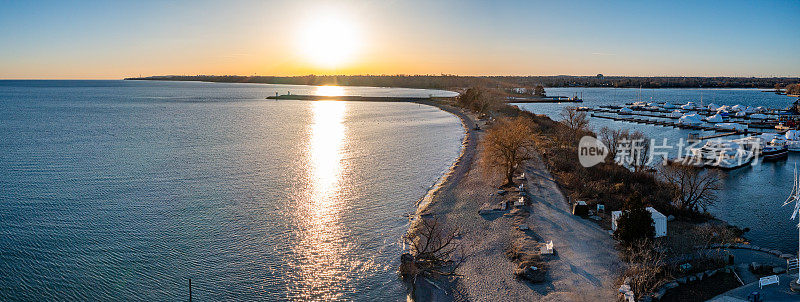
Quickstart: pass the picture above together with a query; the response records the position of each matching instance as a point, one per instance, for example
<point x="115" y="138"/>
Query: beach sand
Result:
<point x="585" y="264"/>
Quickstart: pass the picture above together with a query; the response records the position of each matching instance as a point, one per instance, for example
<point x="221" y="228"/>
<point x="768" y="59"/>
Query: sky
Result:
<point x="117" y="39"/>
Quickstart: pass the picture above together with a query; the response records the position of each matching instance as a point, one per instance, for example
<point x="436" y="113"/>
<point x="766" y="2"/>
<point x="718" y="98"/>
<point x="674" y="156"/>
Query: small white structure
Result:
<point x="625" y="110"/>
<point x="714" y="118"/>
<point x="548" y="248"/>
<point x="520" y="202"/>
<point x="659" y="221"/>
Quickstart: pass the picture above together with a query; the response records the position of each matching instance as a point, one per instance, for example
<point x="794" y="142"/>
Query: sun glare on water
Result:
<point x="330" y="91"/>
<point x="329" y="40"/>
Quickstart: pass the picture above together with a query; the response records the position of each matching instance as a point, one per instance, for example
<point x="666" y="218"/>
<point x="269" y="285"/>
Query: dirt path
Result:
<point x="586" y="260"/>
<point x="585" y="264"/>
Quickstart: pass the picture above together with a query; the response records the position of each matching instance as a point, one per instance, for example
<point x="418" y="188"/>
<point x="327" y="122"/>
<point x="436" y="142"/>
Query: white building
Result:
<point x="659" y="220"/>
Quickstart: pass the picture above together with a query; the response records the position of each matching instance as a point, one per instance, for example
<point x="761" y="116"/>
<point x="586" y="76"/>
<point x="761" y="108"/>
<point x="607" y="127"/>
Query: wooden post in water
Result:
<point x="190" y="289"/>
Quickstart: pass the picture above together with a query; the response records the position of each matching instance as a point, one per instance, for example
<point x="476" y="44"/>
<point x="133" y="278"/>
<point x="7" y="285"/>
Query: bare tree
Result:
<point x="635" y="146"/>
<point x="640" y="150"/>
<point x="480" y="99"/>
<point x="434" y="250"/>
<point x="694" y="189"/>
<point x="574" y="119"/>
<point x="539" y="90"/>
<point x="645" y="266"/>
<point x="507" y="144"/>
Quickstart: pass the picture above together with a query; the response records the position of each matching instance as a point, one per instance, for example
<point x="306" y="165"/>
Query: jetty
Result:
<point x="350" y="98"/>
<point x="544" y="99"/>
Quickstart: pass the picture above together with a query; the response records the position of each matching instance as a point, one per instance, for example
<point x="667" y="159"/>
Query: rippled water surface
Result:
<point x="752" y="196"/>
<point x="116" y="190"/>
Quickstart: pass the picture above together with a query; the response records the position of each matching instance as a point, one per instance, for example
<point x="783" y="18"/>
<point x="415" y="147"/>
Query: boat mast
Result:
<point x="795" y="197"/>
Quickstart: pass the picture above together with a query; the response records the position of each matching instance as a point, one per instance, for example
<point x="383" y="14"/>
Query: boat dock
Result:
<point x="723" y="132"/>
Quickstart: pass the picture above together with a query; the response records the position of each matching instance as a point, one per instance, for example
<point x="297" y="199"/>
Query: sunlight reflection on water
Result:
<point x="322" y="241"/>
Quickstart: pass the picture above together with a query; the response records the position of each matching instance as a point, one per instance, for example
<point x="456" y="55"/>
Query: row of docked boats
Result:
<point x="733" y="118"/>
<point x="731" y="154"/>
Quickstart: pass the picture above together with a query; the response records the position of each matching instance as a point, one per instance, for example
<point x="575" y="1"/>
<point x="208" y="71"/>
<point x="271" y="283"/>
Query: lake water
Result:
<point x="752" y="195"/>
<point x="123" y="190"/>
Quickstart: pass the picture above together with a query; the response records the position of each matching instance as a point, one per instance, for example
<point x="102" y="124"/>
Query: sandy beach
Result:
<point x="585" y="263"/>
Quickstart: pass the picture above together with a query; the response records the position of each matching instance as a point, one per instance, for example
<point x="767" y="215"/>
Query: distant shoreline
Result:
<point x="446" y="82"/>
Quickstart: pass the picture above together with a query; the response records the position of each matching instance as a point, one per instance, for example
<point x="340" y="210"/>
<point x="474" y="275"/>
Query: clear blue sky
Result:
<point x="114" y="39"/>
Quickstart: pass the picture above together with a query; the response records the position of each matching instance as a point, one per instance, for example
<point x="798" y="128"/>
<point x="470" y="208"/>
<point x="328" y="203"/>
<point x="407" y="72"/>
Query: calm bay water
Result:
<point x="119" y="190"/>
<point x="752" y="196"/>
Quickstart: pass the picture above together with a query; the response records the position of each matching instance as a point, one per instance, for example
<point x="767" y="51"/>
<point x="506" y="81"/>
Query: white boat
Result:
<point x="792" y="140"/>
<point x="759" y="116"/>
<point x="714" y="118"/>
<point x="668" y="105"/>
<point x="675" y="113"/>
<point x="713" y="107"/>
<point x="731" y="126"/>
<point x="721" y="154"/>
<point x="741" y="114"/>
<point x="688" y="106"/>
<point x="738" y="108"/>
<point x="625" y="110"/>
<point x="767" y="146"/>
<point x="690" y="120"/>
<point x="776" y="148"/>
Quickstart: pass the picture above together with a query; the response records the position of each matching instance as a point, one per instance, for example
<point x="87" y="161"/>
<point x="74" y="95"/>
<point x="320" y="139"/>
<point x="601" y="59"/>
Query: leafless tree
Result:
<point x="507" y="144"/>
<point x="574" y="119"/>
<point x="645" y="266"/>
<point x="434" y="249"/>
<point x="694" y="189"/>
<point x="635" y="145"/>
<point x="480" y="99"/>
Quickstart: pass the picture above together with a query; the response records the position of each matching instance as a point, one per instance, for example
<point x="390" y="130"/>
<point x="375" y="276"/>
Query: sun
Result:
<point x="329" y="41"/>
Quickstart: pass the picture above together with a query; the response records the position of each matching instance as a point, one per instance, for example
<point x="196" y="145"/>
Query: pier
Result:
<point x="351" y="98"/>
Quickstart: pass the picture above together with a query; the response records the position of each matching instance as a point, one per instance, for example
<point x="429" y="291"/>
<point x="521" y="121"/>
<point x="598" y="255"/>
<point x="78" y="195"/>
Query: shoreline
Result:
<point x="468" y="148"/>
<point x="424" y="289"/>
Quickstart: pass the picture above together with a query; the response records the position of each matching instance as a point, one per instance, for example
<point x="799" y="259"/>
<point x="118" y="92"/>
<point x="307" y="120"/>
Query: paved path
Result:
<point x="778" y="292"/>
<point x="775" y="292"/>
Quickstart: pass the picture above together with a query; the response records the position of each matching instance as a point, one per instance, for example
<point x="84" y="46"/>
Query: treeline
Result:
<point x="455" y="81"/>
<point x="793" y="89"/>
